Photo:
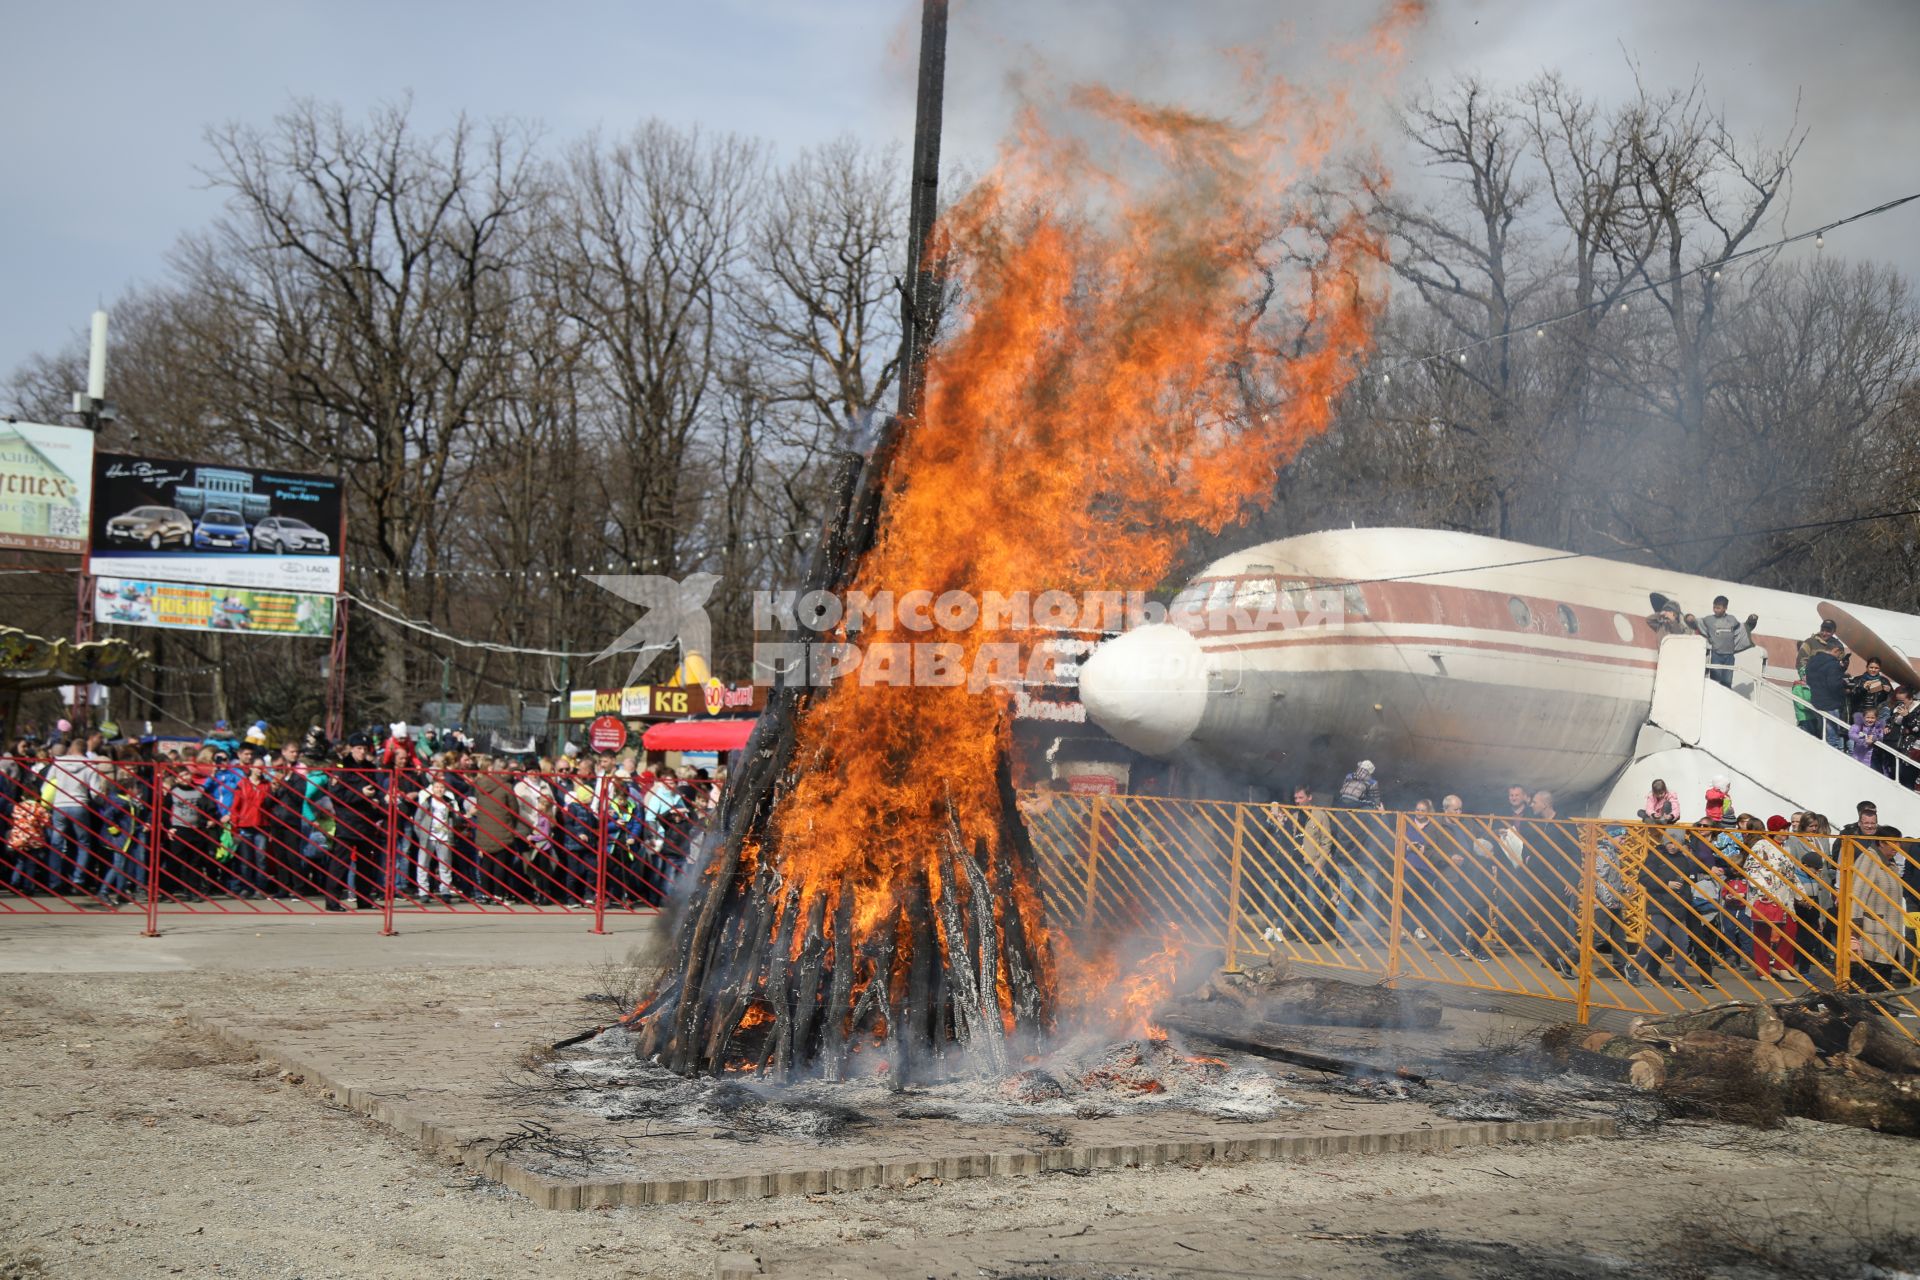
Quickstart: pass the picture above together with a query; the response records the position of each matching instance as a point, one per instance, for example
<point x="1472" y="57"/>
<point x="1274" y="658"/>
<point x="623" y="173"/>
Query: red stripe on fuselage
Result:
<point x="1312" y="637"/>
<point x="1485" y="610"/>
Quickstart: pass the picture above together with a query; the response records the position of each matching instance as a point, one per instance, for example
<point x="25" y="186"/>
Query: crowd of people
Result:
<point x="238" y="819"/>
<point x="306" y="819"/>
<point x="1865" y="713"/>
<point x="1859" y="713"/>
<point x="1719" y="887"/>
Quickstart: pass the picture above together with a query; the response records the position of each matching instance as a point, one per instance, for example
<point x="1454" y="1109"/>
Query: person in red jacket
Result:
<point x="246" y="819"/>
<point x="1719" y="811"/>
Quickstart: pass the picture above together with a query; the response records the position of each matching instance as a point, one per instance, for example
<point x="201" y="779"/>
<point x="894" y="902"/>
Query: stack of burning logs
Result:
<point x="1824" y="1055"/>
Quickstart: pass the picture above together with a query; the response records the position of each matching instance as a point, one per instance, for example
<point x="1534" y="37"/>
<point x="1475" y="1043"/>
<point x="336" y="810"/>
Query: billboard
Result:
<point x="220" y="526"/>
<point x="187" y="607"/>
<point x="46" y="476"/>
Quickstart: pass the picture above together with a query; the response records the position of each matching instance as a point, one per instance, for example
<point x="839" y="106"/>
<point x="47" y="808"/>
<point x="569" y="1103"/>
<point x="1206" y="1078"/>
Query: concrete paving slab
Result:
<point x="435" y="1076"/>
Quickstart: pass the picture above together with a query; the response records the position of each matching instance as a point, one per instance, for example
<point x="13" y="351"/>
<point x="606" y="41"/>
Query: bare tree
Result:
<point x="353" y="312"/>
<point x="642" y="253"/>
<point x="1465" y="255"/>
<point x="1705" y="196"/>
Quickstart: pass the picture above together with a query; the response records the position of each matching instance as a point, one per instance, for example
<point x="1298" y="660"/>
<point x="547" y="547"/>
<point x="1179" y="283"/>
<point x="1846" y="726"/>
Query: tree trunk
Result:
<point x="1888" y="1105"/>
<point x="1611" y="1057"/>
<point x="1747" y="1021"/>
<point x="1884" y="1046"/>
<point x="1799" y="1049"/>
<point x="1829" y="1029"/>
<point x="1709" y="1052"/>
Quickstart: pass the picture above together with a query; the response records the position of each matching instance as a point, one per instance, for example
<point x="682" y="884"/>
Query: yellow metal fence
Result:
<point x="1594" y="913"/>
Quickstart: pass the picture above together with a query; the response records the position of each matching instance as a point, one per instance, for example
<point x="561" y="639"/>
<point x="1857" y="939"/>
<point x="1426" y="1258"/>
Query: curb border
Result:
<point x="589" y="1193"/>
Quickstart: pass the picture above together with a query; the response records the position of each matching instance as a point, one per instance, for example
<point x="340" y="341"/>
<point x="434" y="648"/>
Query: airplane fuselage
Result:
<point x="1449" y="659"/>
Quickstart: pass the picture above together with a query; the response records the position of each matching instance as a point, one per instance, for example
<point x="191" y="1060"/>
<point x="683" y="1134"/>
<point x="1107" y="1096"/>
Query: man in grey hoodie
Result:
<point x="1726" y="635"/>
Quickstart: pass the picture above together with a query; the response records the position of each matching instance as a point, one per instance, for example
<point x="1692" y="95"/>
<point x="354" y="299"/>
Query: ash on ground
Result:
<point x="1084" y="1079"/>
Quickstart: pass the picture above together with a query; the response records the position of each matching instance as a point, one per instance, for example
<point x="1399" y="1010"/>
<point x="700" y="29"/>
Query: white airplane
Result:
<point x="1459" y="662"/>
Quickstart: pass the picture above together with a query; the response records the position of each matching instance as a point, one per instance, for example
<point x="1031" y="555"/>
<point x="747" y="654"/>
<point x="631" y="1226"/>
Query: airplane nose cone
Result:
<point x="1148" y="688"/>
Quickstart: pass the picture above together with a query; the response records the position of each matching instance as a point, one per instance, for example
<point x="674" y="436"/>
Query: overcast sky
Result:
<point x="104" y="104"/>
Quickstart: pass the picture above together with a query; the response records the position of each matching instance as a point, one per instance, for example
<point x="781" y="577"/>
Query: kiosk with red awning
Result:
<point x="698" y="735"/>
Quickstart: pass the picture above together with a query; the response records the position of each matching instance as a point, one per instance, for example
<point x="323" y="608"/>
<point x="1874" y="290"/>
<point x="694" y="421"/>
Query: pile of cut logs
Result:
<point x="1831" y="1056"/>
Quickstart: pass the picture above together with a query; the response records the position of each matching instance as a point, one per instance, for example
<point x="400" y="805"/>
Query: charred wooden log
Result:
<point x="1016" y="867"/>
<point x="1274" y="995"/>
<point x="838" y="1012"/>
<point x="806" y="1001"/>
<point x="1272" y="1040"/>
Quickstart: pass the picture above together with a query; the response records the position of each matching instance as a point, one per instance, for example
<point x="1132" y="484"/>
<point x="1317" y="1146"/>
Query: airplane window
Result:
<point x="1256" y="593"/>
<point x="1356" y="601"/>
<point x="1297" y="598"/>
<point x="1522" y="616"/>
<point x="1569" y="622"/>
<point x="1221" y="595"/>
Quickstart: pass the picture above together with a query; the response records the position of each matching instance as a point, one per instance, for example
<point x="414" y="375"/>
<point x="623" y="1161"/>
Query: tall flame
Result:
<point x="1147" y="330"/>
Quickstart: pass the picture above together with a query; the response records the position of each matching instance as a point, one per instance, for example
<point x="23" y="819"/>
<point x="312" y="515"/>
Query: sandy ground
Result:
<point x="137" y="1147"/>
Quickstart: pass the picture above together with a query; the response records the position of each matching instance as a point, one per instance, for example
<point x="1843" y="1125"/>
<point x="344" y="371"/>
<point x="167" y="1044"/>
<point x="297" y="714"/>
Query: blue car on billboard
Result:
<point x="221" y="529"/>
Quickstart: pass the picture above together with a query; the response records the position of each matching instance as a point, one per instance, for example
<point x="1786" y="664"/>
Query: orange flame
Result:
<point x="1149" y="986"/>
<point x="1148" y="331"/>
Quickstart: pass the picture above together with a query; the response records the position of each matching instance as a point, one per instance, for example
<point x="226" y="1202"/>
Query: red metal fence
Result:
<point x="281" y="837"/>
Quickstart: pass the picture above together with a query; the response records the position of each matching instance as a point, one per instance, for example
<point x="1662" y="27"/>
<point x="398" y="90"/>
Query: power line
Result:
<point x="800" y="537"/>
<point x="1555" y="557"/>
<point x="1539" y="327"/>
<point x="428" y="629"/>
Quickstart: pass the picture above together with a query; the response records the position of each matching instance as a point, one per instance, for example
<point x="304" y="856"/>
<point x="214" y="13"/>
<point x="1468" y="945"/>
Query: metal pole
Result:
<point x="1589" y="863"/>
<point x="78" y="705"/>
<point x="94" y="411"/>
<point x="1399" y="896"/>
<point x="1093" y="861"/>
<point x="154" y="829"/>
<point x="337" y="673"/>
<point x="1233" y="889"/>
<point x="600" y="861"/>
<point x="1843" y="908"/>
<point x="388" y="865"/>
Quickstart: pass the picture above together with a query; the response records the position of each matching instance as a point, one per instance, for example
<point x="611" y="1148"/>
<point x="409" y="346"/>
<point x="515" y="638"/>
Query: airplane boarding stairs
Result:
<point x="1698" y="729"/>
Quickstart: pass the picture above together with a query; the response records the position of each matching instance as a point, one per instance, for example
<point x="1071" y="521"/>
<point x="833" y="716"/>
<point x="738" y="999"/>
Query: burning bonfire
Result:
<point x="1126" y="345"/>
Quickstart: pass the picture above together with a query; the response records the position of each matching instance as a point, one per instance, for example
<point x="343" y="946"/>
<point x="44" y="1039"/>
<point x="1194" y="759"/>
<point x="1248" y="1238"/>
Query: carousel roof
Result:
<point x="34" y="662"/>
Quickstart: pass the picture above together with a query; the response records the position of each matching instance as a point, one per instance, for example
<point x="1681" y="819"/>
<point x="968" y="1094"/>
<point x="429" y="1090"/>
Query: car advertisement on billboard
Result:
<point x="183" y="607"/>
<point x="219" y="526"/>
<point x="46" y="477"/>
